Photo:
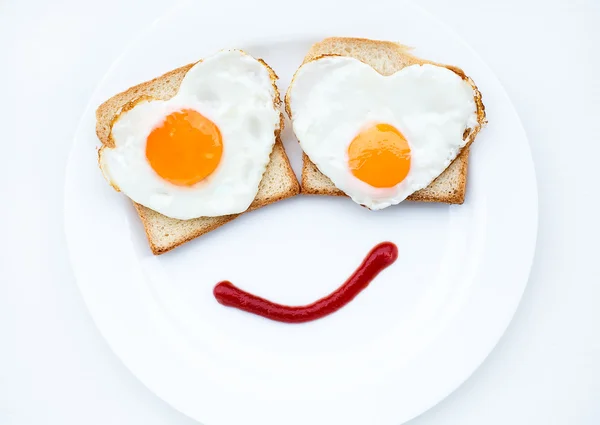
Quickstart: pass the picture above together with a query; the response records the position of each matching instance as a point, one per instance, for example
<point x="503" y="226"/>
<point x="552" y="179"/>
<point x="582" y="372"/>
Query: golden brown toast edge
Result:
<point x="457" y="169"/>
<point x="165" y="87"/>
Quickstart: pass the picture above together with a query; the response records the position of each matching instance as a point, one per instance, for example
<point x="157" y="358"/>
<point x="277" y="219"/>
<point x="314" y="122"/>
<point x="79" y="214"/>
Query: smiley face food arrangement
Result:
<point x="200" y="145"/>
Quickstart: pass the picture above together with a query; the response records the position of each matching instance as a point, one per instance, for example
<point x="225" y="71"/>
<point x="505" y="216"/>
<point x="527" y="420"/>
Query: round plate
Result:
<point x="419" y="330"/>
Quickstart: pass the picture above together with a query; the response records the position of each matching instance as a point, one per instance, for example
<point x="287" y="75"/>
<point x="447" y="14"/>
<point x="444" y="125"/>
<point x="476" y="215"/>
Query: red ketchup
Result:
<point x="380" y="257"/>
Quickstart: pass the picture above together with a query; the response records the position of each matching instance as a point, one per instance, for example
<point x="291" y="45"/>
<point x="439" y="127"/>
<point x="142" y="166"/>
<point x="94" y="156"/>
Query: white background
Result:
<point x="56" y="369"/>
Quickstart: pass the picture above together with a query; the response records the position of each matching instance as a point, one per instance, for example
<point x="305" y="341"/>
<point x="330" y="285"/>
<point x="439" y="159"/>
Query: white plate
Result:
<point x="419" y="330"/>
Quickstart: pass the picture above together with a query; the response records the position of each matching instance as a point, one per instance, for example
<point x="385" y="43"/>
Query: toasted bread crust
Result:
<point x="207" y="224"/>
<point x="314" y="182"/>
<point x="159" y="228"/>
<point x="109" y="110"/>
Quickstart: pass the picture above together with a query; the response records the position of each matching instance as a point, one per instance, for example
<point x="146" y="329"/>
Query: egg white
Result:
<point x="233" y="90"/>
<point x="333" y="98"/>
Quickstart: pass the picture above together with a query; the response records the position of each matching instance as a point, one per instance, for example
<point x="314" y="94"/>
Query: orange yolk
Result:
<point x="185" y="148"/>
<point x="379" y="156"/>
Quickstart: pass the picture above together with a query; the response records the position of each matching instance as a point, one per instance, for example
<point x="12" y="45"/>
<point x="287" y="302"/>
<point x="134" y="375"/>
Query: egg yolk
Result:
<point x="185" y="148"/>
<point x="379" y="156"/>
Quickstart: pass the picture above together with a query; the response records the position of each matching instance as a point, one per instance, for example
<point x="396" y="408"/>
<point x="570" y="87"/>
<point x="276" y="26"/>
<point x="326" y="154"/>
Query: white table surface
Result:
<point x="55" y="368"/>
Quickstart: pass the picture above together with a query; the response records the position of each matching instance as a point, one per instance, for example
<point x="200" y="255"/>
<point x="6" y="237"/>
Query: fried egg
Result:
<point x="380" y="138"/>
<point x="203" y="152"/>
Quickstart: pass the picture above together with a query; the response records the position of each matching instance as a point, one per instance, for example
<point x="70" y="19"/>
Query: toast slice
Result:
<point x="164" y="233"/>
<point x="387" y="58"/>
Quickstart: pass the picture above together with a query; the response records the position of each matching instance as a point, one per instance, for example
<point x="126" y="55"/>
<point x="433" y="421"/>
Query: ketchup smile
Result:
<point x="379" y="258"/>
